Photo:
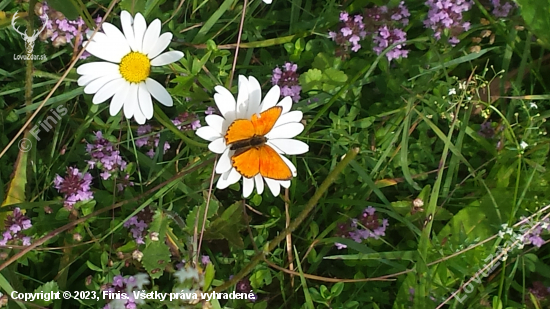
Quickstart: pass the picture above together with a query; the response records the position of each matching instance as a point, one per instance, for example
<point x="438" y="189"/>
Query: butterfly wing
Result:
<point x="247" y="162"/>
<point x="266" y="121"/>
<point x="239" y="130"/>
<point x="272" y="165"/>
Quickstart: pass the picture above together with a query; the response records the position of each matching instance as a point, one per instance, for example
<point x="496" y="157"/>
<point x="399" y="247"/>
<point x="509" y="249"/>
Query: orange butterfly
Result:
<point x="252" y="154"/>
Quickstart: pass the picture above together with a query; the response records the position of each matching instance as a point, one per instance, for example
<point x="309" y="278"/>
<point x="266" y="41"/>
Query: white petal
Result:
<point x="158" y="92"/>
<point x="110" y="50"/>
<point x="259" y="183"/>
<point x="94" y="68"/>
<point x="151" y="36"/>
<point x="248" y="186"/>
<point x="215" y="122"/>
<point x="228" y="178"/>
<point x="224" y="163"/>
<point x="268" y="1"/>
<point x="161" y="44"/>
<point x="131" y="102"/>
<point x="290" y="166"/>
<point x="288" y="130"/>
<point x="254" y="97"/>
<point x="114" y="34"/>
<point x="294" y="116"/>
<point x="86" y="79"/>
<point x="217" y="146"/>
<point x="127" y="21"/>
<point x="208" y="133"/>
<point x="273" y="186"/>
<point x="140" y="26"/>
<point x="271" y="98"/>
<point x="95" y="85"/>
<point x="118" y="100"/>
<point x="286" y="103"/>
<point x="139" y="117"/>
<point x="99" y="37"/>
<point x="289" y="146"/>
<point x="108" y="90"/>
<point x="285" y="183"/>
<point x="225" y="102"/>
<point x="145" y="102"/>
<point x="167" y="58"/>
<point x="242" y="98"/>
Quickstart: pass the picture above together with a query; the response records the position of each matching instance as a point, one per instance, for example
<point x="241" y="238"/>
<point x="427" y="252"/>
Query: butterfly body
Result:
<point x="253" y="155"/>
<point x="255" y="141"/>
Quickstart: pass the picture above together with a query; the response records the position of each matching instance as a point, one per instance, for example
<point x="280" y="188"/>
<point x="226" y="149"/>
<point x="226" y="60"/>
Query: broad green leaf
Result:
<point x="535" y="13"/>
<point x="156" y="254"/>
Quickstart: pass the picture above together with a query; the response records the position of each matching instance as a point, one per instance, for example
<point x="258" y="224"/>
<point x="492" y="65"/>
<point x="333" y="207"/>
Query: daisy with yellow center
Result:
<point x="125" y="77"/>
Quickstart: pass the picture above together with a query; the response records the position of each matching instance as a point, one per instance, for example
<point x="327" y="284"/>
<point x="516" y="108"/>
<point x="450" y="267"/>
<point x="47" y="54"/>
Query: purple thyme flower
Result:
<point x="150" y="141"/>
<point x="138" y="225"/>
<point x="486" y="130"/>
<point x="104" y="156"/>
<point x="108" y="160"/>
<point x="75" y="187"/>
<point x="367" y="225"/>
<point x="447" y="15"/>
<point x="210" y="110"/>
<point x="287" y="79"/>
<point x="194" y="122"/>
<point x="15" y="223"/>
<point x="59" y="29"/>
<point x="385" y="25"/>
<point x="533" y="237"/>
<point x="502" y="10"/>
<point x="352" y="30"/>
<point x="124" y="287"/>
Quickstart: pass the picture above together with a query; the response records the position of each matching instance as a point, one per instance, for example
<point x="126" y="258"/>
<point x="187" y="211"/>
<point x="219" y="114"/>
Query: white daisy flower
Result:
<point x="252" y="135"/>
<point x="125" y="77"/>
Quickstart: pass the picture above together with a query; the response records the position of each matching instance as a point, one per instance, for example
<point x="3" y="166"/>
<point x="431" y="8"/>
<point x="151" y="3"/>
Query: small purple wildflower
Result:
<point x="352" y="30"/>
<point x="210" y="110"/>
<point x="108" y="160"/>
<point x="533" y="237"/>
<point x="138" y="225"/>
<point x="244" y="286"/>
<point x="541" y="293"/>
<point x="15" y="223"/>
<point x="124" y="286"/>
<point x="151" y="141"/>
<point x="287" y="79"/>
<point x="367" y="225"/>
<point x="194" y="122"/>
<point x="385" y="25"/>
<point x="503" y="10"/>
<point x="447" y="15"/>
<point x="75" y="187"/>
<point x="59" y="29"/>
<point x="486" y="130"/>
<point x="205" y="259"/>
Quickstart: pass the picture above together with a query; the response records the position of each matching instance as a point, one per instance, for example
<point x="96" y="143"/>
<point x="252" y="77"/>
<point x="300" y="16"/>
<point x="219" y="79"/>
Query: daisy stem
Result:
<point x="270" y="246"/>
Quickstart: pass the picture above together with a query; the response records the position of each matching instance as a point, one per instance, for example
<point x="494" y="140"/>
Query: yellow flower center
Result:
<point x="135" y="67"/>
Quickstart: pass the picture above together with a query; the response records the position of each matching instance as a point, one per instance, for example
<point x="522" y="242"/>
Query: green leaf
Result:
<point x="133" y="6"/>
<point x="67" y="7"/>
<point x="535" y="13"/>
<point x="156" y="254"/>
<point x="46" y="288"/>
<point x="228" y="226"/>
<point x="93" y="267"/>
